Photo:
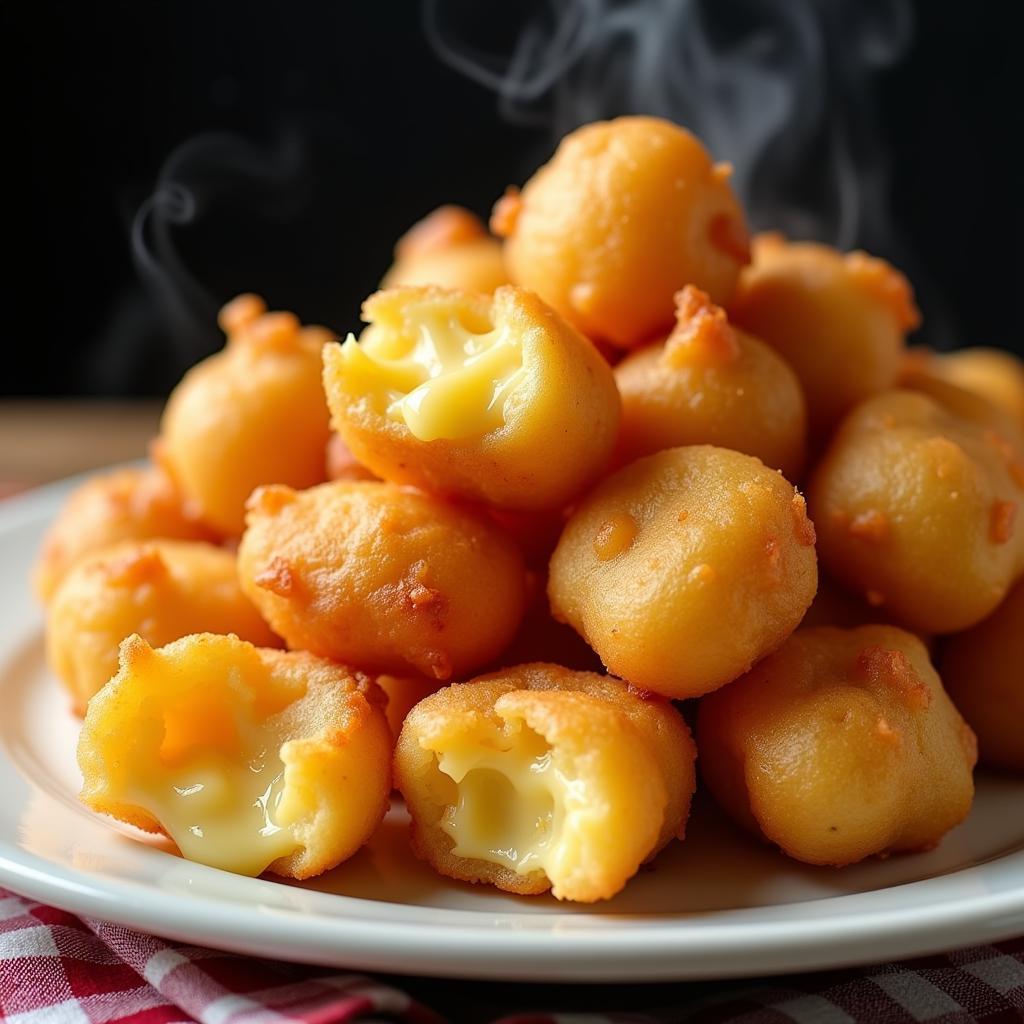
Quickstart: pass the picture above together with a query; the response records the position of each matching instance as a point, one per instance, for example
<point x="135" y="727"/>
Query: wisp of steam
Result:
<point x="208" y="172"/>
<point x="780" y="88"/>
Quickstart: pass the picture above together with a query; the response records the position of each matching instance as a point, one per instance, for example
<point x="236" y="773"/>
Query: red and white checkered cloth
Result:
<point x="56" y="968"/>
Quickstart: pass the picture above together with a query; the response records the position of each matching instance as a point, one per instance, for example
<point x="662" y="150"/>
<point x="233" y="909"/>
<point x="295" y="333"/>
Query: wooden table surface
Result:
<point x="46" y="440"/>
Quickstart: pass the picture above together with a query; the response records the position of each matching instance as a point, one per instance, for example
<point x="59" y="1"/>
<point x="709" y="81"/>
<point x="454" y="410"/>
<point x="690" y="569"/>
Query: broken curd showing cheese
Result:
<point x="244" y="756"/>
<point x="538" y="777"/>
<point x="498" y="400"/>
<point x="448" y="374"/>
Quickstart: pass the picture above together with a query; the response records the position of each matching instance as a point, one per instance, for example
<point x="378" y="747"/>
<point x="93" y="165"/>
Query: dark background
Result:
<point x="350" y="128"/>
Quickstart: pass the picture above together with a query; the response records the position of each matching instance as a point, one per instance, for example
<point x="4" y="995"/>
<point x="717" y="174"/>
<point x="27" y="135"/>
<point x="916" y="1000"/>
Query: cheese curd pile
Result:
<point x="607" y="467"/>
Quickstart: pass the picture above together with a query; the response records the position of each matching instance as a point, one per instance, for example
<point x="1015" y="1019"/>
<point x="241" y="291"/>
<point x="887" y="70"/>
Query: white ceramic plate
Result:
<point x="717" y="905"/>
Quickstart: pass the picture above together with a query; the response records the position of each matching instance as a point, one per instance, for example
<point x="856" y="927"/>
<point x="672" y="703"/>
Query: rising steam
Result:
<point x="781" y="88"/>
<point x="209" y="172"/>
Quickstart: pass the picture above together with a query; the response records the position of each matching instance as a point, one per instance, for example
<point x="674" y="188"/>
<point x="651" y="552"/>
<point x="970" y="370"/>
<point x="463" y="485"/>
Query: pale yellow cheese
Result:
<point x="220" y="809"/>
<point x="512" y="802"/>
<point x="446" y="376"/>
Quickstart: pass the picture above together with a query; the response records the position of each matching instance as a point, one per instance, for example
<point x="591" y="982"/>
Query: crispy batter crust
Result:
<point x="382" y="577"/>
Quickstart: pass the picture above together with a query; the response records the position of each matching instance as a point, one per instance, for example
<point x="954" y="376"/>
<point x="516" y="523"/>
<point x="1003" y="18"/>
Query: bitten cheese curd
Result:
<point x="840" y="745"/>
<point x="251" y="760"/>
<point x="839" y="319"/>
<point x="916" y="508"/>
<point x="685" y="567"/>
<point x="449" y="248"/>
<point x="624" y="214"/>
<point x="134" y="503"/>
<point x="161" y="589"/>
<point x="537" y="777"/>
<point x="711" y="384"/>
<point x="251" y="414"/>
<point x="383" y="577"/>
<point x="983" y="670"/>
<point x="495" y="400"/>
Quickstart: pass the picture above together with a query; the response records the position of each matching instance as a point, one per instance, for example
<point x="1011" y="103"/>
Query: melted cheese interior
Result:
<point x="444" y="372"/>
<point x="511" y="802"/>
<point x="220" y="807"/>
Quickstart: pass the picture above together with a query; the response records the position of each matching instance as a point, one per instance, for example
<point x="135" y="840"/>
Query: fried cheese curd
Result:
<point x="983" y="670"/>
<point x="161" y="589"/>
<point x="134" y="503"/>
<point x="251" y="414"/>
<point x="839" y="746"/>
<point x="625" y="214"/>
<point x="838" y="319"/>
<point x="994" y="375"/>
<point x="537" y="778"/>
<point x="711" y="384"/>
<point x="403" y="694"/>
<point x="685" y="567"/>
<point x="916" y="507"/>
<point x="250" y="759"/>
<point x="497" y="400"/>
<point x="387" y="578"/>
<point x="449" y="248"/>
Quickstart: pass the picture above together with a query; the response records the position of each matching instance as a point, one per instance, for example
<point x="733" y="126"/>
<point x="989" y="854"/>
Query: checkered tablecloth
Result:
<point x="56" y="968"/>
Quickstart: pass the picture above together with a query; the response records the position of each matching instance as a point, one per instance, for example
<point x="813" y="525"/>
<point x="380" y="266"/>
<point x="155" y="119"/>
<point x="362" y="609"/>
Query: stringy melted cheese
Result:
<point x="220" y="809"/>
<point x="511" y="803"/>
<point x="444" y="372"/>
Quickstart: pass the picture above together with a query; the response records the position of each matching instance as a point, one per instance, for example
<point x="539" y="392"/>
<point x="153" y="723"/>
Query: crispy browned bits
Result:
<point x="685" y="567"/>
<point x="245" y="757"/>
<point x="537" y="777"/>
<point x="382" y="577"/>
<point x="915" y="507"/>
<point x="840" y="745"/>
<point x="838" y="319"/>
<point x="251" y="414"/>
<point x="710" y="383"/>
<point x="983" y="670"/>
<point x="625" y="214"/>
<point x="134" y="503"/>
<point x="497" y="400"/>
<point x="160" y="589"/>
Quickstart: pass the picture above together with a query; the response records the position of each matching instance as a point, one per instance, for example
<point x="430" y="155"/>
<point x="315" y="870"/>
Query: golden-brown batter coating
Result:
<point x="134" y="503"/>
<point x="251" y="414"/>
<point x="983" y="671"/>
<point x="710" y="383"/>
<point x="685" y="567"/>
<point x="840" y="745"/>
<point x="495" y="400"/>
<point x="449" y="248"/>
<point x="160" y="589"/>
<point x="994" y="375"/>
<point x="536" y="777"/>
<point x="916" y="509"/>
<point x="251" y="760"/>
<point x="625" y="214"/>
<point x="386" y="578"/>
<point x="838" y="319"/>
